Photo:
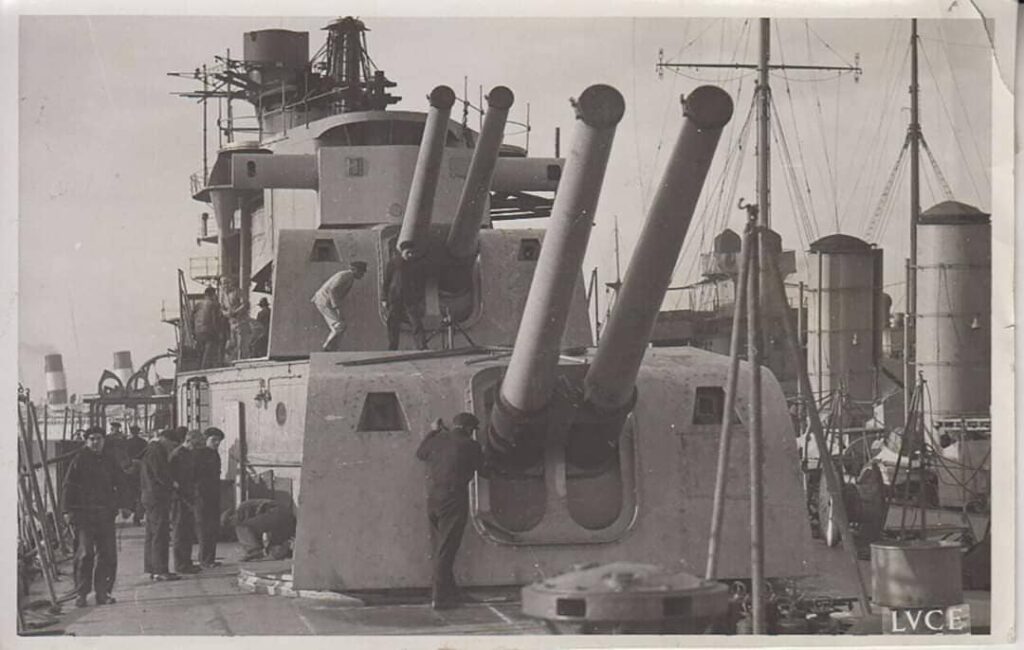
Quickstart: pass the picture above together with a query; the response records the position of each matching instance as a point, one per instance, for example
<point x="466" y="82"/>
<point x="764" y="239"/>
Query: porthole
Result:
<point x="281" y="413"/>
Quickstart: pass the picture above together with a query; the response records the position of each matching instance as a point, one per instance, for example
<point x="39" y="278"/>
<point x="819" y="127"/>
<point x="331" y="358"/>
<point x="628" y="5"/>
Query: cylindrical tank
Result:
<point x="912" y="575"/>
<point x="530" y="379"/>
<point x="844" y="320"/>
<point x="609" y="383"/>
<point x="275" y="55"/>
<point x="56" y="384"/>
<point x="462" y="237"/>
<point x="123" y="365"/>
<point x="420" y="206"/>
<point x="954" y="305"/>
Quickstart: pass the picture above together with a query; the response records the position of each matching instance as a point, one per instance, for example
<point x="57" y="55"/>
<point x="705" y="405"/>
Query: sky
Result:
<point x="106" y="149"/>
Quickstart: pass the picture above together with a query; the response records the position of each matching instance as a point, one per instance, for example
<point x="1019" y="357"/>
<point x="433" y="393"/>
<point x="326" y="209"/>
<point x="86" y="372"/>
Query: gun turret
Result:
<point x="420" y="205"/>
<point x="518" y="417"/>
<point x="609" y="386"/>
<point x="462" y="237"/>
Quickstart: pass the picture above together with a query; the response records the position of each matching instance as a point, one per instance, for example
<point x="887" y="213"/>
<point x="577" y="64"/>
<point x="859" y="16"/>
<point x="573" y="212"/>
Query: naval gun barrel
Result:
<point x="530" y="378"/>
<point x="420" y="205"/>
<point x="463" y="235"/>
<point x="609" y="385"/>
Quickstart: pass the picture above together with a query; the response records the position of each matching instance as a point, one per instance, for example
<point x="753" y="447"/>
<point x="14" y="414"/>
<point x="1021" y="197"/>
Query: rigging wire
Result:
<point x="821" y="130"/>
<point x="952" y="124"/>
<point x="796" y="130"/>
<point x="887" y="118"/>
<point x="800" y="207"/>
<point x="891" y="199"/>
<point x="938" y="172"/>
<point x="963" y="107"/>
<point x="873" y="144"/>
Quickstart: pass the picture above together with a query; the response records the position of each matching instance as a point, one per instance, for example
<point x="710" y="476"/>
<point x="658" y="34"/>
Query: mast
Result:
<point x="910" y="322"/>
<point x="763" y="133"/>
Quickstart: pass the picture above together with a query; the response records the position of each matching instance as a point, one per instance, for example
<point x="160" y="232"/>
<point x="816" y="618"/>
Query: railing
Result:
<point x="202" y="269"/>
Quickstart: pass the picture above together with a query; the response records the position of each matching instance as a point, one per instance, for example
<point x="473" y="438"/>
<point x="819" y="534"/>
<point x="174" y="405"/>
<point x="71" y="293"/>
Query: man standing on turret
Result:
<point x="328" y="299"/>
<point x="405" y="292"/>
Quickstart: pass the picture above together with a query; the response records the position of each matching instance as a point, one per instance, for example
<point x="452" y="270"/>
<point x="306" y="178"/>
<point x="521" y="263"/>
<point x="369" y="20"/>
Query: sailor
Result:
<point x="405" y="292"/>
<point x="261" y="335"/>
<point x="207" y="327"/>
<point x="90" y="496"/>
<point x="157" y="487"/>
<point x="452" y="457"/>
<point x="134" y="447"/>
<point x="236" y="309"/>
<point x="207" y="496"/>
<point x="329" y="296"/>
<point x="183" y="527"/>
<point x="255" y="518"/>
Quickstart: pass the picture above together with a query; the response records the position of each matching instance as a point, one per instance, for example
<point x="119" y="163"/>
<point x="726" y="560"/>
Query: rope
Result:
<point x="821" y="131"/>
<point x="952" y="124"/>
<point x="935" y="167"/>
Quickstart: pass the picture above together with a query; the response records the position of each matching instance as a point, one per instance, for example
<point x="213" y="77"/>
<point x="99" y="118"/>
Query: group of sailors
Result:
<point x="224" y="329"/>
<point x="172" y="483"/>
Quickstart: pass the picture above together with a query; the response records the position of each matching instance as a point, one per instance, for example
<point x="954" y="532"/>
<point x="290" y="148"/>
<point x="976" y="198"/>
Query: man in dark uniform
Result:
<point x="452" y="457"/>
<point x="262" y="338"/>
<point x="207" y="327"/>
<point x="183" y="524"/>
<point x="207" y="496"/>
<point x="90" y="497"/>
<point x="255" y="517"/>
<point x="405" y="293"/>
<point x="157" y="487"/>
<point x="134" y="447"/>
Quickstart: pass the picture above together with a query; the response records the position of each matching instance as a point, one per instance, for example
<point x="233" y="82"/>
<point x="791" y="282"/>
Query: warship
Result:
<point x="605" y="449"/>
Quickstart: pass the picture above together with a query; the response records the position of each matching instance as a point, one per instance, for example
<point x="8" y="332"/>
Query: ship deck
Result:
<point x="211" y="603"/>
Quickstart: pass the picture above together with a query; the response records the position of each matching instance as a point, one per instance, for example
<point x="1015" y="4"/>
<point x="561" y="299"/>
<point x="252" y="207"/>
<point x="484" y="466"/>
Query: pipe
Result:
<point x="418" y="209"/>
<point x="530" y="378"/>
<point x="224" y="204"/>
<point x="609" y="384"/>
<point x="245" y="248"/>
<point x="756" y="448"/>
<point x="463" y="234"/>
<point x="56" y="383"/>
<point x="832" y="480"/>
<point x="725" y="438"/>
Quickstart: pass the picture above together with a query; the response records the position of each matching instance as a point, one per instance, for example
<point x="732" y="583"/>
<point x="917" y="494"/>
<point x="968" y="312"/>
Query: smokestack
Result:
<point x="123" y="366"/>
<point x="56" y="384"/>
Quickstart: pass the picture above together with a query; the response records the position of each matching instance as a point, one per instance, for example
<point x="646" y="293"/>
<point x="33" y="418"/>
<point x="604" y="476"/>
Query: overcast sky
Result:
<point x="106" y="150"/>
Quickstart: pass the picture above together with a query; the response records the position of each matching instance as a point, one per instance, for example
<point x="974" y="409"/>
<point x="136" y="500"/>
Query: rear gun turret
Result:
<point x="520" y="422"/>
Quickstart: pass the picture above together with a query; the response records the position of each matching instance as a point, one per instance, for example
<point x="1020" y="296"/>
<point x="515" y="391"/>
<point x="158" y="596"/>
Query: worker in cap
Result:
<point x="157" y="487"/>
<point x="235" y="308"/>
<point x="255" y="519"/>
<point x="207" y="496"/>
<point x="182" y="464"/>
<point x="90" y="498"/>
<point x="452" y="457"/>
<point x="208" y="327"/>
<point x="261" y="329"/>
<point x="330" y="295"/>
<point x="134" y="447"/>
<point x="405" y="295"/>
